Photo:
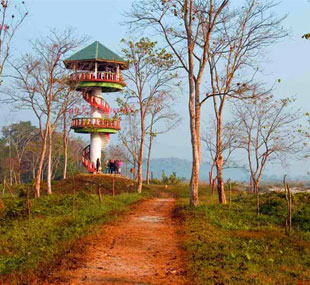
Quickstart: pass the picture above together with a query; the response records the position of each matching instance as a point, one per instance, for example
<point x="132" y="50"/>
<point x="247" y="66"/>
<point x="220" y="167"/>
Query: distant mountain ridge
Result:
<point x="183" y="168"/>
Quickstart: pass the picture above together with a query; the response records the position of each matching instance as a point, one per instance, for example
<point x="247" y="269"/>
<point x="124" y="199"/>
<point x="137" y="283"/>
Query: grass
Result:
<point x="28" y="244"/>
<point x="230" y="244"/>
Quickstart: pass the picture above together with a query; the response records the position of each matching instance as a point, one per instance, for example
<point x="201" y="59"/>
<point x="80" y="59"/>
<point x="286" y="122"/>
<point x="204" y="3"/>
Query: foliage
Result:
<point x="149" y="79"/>
<point x="306" y="36"/>
<point x="20" y="152"/>
<point x="172" y="179"/>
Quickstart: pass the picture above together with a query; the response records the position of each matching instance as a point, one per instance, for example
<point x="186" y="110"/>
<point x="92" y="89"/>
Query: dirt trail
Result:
<point x="143" y="248"/>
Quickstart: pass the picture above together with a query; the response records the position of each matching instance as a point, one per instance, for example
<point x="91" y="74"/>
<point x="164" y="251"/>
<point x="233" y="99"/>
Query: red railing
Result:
<point x="96" y="123"/>
<point x="96" y="102"/>
<point x="99" y="76"/>
<point x="90" y="166"/>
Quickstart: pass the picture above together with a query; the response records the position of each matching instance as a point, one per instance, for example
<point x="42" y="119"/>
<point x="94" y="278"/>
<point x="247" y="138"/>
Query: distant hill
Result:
<point x="183" y="167"/>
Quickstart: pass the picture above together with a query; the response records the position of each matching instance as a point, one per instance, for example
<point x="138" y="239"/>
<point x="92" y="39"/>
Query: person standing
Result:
<point x="120" y="164"/>
<point x="116" y="166"/>
<point x="107" y="168"/>
<point x="98" y="164"/>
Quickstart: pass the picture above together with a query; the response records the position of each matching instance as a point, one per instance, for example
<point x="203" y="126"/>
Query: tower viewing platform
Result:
<point x="96" y="70"/>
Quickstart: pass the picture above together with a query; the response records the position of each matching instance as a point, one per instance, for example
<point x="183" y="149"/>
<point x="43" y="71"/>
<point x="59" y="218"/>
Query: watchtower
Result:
<point x="97" y="70"/>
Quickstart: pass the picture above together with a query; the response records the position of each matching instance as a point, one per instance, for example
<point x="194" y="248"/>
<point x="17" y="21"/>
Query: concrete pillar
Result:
<point x="95" y="138"/>
<point x="95" y="147"/>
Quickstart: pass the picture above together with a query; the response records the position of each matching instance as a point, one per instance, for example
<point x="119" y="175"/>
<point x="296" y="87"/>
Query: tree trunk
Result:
<point x="256" y="183"/>
<point x="194" y="182"/>
<point x="65" y="145"/>
<point x="148" y="171"/>
<point x="194" y="116"/>
<point x="140" y="158"/>
<point x="65" y="160"/>
<point x="213" y="185"/>
<point x="251" y="184"/>
<point x="211" y="176"/>
<point x="41" y="162"/>
<point x="49" y="165"/>
<point x="219" y="163"/>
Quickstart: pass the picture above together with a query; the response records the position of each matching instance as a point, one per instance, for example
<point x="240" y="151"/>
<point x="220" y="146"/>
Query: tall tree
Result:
<point x="187" y="27"/>
<point x="162" y="119"/>
<point x="129" y="134"/>
<point x="235" y="50"/>
<point x="268" y="134"/>
<point x="41" y="81"/>
<point x="230" y="135"/>
<point x="18" y="137"/>
<point x="149" y="74"/>
<point x="71" y="101"/>
<point x="12" y="15"/>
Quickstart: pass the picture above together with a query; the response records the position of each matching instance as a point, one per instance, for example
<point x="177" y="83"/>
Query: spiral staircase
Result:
<point x="97" y="70"/>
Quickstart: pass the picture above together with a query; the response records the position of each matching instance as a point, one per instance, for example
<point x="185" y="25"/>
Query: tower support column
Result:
<point x="95" y="147"/>
<point x="95" y="138"/>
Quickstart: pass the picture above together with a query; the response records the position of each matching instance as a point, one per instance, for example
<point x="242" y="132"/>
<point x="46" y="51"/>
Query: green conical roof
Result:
<point x="95" y="51"/>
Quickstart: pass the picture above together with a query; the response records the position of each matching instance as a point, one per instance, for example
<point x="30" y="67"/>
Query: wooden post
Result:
<point x="73" y="200"/>
<point x="99" y="194"/>
<point x="28" y="203"/>
<point x="113" y="190"/>
<point x="288" y="196"/>
<point x="229" y="187"/>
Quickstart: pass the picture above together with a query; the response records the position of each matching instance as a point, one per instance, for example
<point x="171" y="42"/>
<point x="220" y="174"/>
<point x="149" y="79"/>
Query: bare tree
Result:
<point x="198" y="32"/>
<point x="69" y="103"/>
<point x="149" y="75"/>
<point x="230" y="135"/>
<point x="187" y="27"/>
<point x="241" y="36"/>
<point x="162" y="120"/>
<point x="42" y="85"/>
<point x="129" y="134"/>
<point x="12" y="15"/>
<point x="267" y="134"/>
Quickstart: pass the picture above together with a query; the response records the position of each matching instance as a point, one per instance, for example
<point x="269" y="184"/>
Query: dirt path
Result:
<point x="143" y="248"/>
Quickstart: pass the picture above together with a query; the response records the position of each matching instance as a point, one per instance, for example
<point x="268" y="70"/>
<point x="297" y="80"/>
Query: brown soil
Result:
<point x="143" y="248"/>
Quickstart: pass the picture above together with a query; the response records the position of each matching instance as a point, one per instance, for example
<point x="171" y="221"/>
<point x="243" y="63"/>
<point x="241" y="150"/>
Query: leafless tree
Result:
<point x="129" y="134"/>
<point x="240" y="39"/>
<point x="69" y="103"/>
<point x="12" y="15"/>
<point x="268" y="134"/>
<point x="187" y="27"/>
<point x="42" y="85"/>
<point x="197" y="32"/>
<point x="150" y="74"/>
<point x="162" y="120"/>
<point x="230" y="135"/>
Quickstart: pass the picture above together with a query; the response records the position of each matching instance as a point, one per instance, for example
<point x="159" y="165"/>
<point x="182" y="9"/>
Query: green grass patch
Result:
<point x="230" y="244"/>
<point x="28" y="243"/>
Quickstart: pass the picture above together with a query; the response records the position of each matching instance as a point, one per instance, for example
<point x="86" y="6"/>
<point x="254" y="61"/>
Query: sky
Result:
<point x="101" y="20"/>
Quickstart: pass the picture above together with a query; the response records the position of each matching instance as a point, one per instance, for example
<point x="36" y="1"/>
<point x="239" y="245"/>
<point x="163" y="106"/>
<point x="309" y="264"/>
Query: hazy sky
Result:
<point x="100" y="19"/>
